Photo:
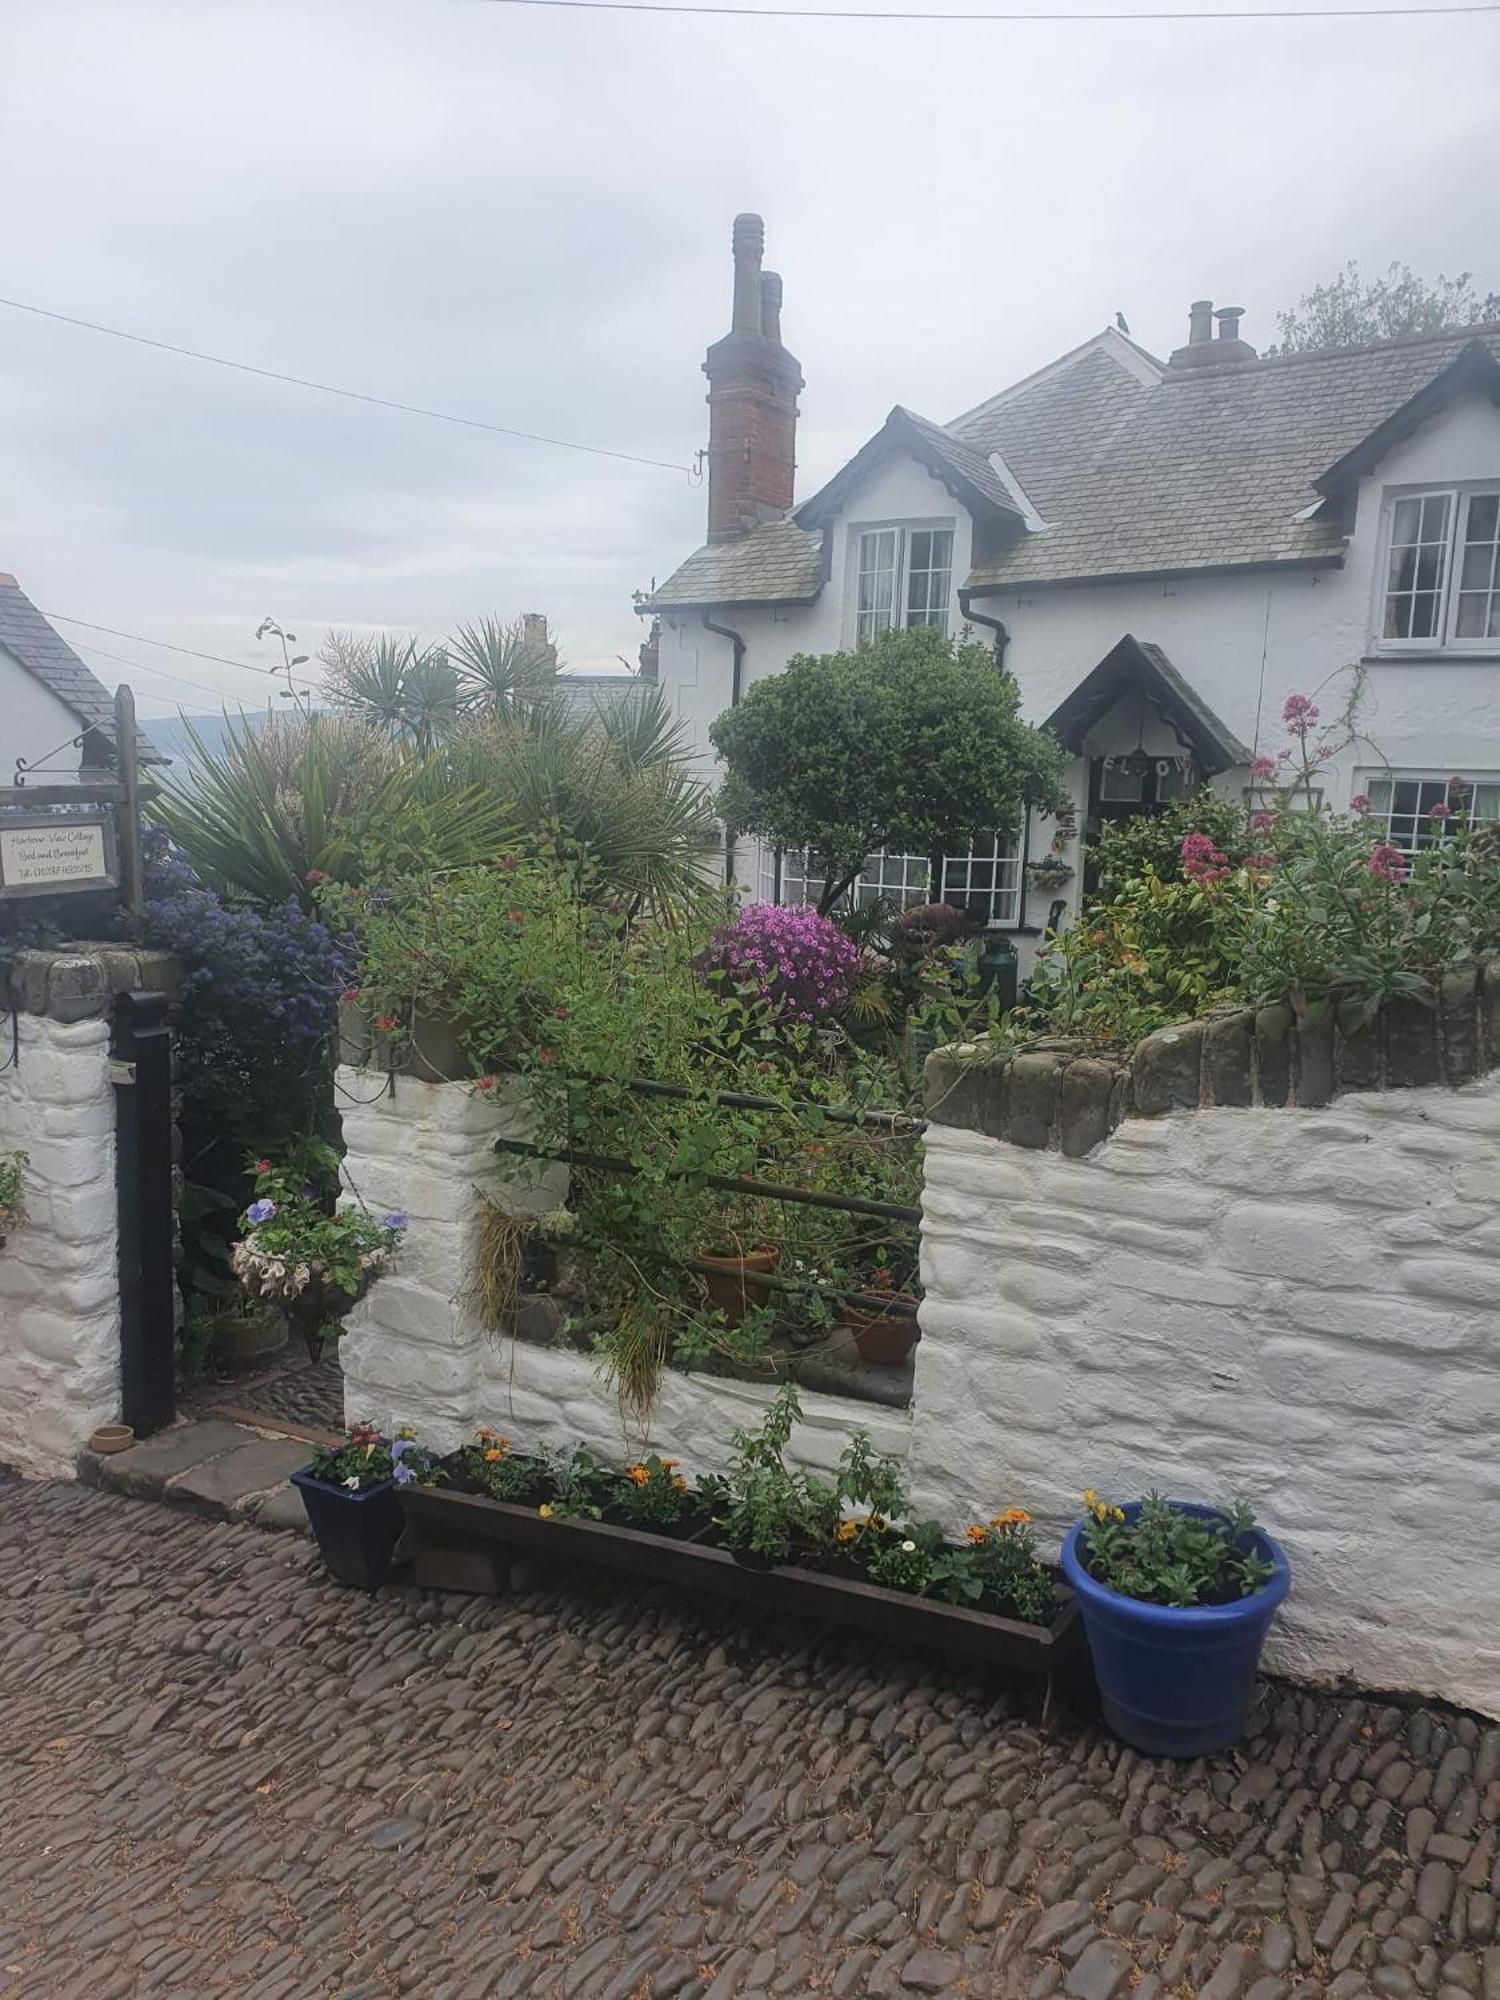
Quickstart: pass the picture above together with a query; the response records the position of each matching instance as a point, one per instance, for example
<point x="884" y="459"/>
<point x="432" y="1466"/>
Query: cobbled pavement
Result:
<point x="221" y="1774"/>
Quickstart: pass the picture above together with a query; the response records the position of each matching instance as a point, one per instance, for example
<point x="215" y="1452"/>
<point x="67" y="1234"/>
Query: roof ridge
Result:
<point x="1103" y="342"/>
<point x="1484" y="329"/>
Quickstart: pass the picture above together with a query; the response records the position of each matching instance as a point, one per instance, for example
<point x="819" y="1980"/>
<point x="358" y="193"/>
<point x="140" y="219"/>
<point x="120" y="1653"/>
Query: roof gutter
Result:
<point x="736" y="689"/>
<point x="973" y="617"/>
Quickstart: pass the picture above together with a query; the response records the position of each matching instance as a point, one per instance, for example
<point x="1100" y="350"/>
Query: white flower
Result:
<point x="352" y="1482"/>
<point x="908" y="1548"/>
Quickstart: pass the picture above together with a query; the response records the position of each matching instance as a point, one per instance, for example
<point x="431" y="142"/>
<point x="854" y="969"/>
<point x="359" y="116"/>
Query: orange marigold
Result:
<point x="638" y="1474"/>
<point x="1013" y="1517"/>
<point x="977" y="1534"/>
<point x="846" y="1531"/>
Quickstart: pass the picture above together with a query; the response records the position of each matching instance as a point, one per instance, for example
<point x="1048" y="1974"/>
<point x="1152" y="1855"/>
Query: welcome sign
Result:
<point x="53" y="855"/>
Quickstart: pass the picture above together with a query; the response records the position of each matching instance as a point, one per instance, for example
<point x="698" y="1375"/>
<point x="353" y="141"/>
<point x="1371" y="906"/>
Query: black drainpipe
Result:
<point x="973" y="617"/>
<point x="737" y="641"/>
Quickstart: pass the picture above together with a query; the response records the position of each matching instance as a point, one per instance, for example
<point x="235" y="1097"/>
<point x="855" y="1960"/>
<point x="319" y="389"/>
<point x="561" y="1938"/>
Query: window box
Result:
<point x="440" y="1518"/>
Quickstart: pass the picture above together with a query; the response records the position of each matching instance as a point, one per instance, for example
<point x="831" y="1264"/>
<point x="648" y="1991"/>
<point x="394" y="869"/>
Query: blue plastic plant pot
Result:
<point x="356" y="1533"/>
<point x="1176" y="1682"/>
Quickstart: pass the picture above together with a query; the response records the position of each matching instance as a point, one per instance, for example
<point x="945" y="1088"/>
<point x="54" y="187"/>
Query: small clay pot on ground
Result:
<point x="884" y="1339"/>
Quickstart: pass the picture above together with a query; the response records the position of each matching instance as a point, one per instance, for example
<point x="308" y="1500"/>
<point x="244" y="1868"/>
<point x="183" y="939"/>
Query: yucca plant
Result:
<point x="284" y="804"/>
<point x="405" y="692"/>
<point x="615" y="792"/>
<point x="502" y="666"/>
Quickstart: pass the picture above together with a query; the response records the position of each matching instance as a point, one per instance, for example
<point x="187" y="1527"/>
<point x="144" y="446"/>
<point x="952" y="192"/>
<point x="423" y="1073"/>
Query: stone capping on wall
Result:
<point x="1051" y="1096"/>
<point x="80" y="982"/>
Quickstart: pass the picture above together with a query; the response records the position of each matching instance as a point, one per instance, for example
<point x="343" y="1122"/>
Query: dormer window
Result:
<point x="903" y="576"/>
<point x="1442" y="569"/>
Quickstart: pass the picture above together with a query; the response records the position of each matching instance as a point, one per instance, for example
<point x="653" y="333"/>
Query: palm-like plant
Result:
<point x="503" y="667"/>
<point x="285" y="802"/>
<point x="616" y="791"/>
<point x="408" y="693"/>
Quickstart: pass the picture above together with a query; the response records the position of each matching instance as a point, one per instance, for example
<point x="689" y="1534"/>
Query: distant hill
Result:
<point x="170" y="735"/>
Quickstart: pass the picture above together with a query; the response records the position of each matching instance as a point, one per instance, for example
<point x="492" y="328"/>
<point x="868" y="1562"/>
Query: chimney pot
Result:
<point x="770" y="306"/>
<point x="1200" y="321"/>
<point x="749" y="241"/>
<point x="1229" y="318"/>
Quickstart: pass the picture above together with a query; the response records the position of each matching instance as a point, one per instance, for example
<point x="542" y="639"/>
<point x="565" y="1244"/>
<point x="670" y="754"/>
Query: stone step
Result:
<point x="230" y="1471"/>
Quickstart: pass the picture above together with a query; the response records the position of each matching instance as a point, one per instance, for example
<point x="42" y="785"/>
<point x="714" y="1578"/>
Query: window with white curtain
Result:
<point x="1441" y="572"/>
<point x="902" y="576"/>
<point x="985" y="879"/>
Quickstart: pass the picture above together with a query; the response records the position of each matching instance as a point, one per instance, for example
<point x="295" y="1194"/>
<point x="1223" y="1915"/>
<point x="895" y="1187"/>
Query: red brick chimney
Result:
<point x="753" y="384"/>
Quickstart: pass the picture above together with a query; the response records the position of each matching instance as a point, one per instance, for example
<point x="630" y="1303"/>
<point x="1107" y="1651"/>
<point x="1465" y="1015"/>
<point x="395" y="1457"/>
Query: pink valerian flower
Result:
<point x="1360" y="803"/>
<point x="1440" y="811"/>
<point x="1260" y="861"/>
<point x="1262" y="822"/>
<point x="1202" y="862"/>
<point x="1387" y="863"/>
<point x="1324" y="750"/>
<point x="1458" y="785"/>
<point x="1299" y="714"/>
<point x="1263" y="766"/>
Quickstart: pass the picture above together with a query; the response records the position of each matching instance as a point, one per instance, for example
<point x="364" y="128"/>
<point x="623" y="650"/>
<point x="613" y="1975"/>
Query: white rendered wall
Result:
<point x="59" y="1281"/>
<point x="413" y="1354"/>
<point x="1294" y="1307"/>
<point x="34" y="724"/>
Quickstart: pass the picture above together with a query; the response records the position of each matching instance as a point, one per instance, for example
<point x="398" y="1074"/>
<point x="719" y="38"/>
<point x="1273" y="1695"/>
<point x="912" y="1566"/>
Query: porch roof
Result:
<point x="1137" y="665"/>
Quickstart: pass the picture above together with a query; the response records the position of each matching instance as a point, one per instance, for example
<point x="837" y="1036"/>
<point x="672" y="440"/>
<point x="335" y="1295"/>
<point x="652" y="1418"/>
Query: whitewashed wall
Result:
<point x="413" y="1354"/>
<point x="37" y="725"/>
<point x="1295" y="1306"/>
<point x="59" y="1283"/>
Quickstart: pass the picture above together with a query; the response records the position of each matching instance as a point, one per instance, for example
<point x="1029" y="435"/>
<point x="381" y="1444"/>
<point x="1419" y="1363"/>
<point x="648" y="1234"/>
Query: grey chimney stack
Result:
<point x="1202" y="350"/>
<point x="749" y="241"/>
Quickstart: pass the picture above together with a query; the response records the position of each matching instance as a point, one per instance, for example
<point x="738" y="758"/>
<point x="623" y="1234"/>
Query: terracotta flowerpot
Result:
<point x="244" y="1345"/>
<point x="884" y="1339"/>
<point x="437" y="1054"/>
<point x="731" y="1283"/>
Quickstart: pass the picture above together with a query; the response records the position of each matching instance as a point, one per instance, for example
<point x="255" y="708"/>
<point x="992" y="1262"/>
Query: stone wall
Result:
<point x="59" y="1278"/>
<point x="1297" y="1306"/>
<point x="413" y="1353"/>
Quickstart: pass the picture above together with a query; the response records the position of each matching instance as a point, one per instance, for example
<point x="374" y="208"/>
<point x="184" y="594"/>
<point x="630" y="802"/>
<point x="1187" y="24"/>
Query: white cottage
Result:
<point x="1162" y="551"/>
<point x="57" y="718"/>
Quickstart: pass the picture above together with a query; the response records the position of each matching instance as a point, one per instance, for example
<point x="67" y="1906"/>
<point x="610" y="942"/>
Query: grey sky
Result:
<point x="524" y="216"/>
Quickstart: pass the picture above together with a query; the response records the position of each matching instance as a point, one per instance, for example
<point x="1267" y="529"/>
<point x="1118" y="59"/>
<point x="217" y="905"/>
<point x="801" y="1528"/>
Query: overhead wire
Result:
<point x="1009" y="15"/>
<point x="190" y="652"/>
<point x="349" y="395"/>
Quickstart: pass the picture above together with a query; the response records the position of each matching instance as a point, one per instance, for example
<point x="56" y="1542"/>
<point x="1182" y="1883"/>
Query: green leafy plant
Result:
<point x="763" y="1507"/>
<point x="489" y="1466"/>
<point x="581" y="1487"/>
<point x="366" y="1459"/>
<point x="654" y="1494"/>
<point x="1167" y="1556"/>
<point x="12" y="1189"/>
<point x="907" y="744"/>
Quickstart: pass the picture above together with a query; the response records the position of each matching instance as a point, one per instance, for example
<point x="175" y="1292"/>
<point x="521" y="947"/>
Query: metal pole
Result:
<point x="143" y="1133"/>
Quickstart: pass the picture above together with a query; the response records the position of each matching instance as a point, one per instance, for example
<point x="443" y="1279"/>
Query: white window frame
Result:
<point x="1445" y="639"/>
<point x="1410" y="841"/>
<point x="903" y="531"/>
<point x="1004" y="861"/>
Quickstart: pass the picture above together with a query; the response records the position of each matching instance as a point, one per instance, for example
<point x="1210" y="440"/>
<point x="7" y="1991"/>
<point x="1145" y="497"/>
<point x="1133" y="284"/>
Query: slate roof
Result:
<point x="776" y="563"/>
<point x="965" y="471"/>
<point x="28" y="638"/>
<point x="1201" y="469"/>
<point x="1136" y="663"/>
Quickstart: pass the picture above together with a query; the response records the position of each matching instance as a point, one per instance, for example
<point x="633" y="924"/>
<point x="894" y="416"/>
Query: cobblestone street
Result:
<point x="223" y="1775"/>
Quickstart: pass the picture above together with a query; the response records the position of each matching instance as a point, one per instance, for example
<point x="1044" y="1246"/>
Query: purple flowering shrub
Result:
<point x="794" y="961"/>
<point x="259" y="996"/>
